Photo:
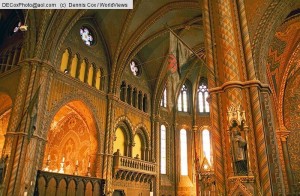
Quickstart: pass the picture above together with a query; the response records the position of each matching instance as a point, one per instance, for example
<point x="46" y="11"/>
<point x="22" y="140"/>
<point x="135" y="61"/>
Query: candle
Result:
<point x="48" y="157"/>
<point x="63" y="159"/>
<point x="77" y="162"/>
<point x="89" y="164"/>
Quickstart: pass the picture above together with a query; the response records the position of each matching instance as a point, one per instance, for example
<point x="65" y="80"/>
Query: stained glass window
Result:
<point x="182" y="102"/>
<point x="86" y="36"/>
<point x="163" y="150"/>
<point x="163" y="101"/>
<point x="135" y="69"/>
<point x="206" y="144"/>
<point x="203" y="105"/>
<point x="183" y="153"/>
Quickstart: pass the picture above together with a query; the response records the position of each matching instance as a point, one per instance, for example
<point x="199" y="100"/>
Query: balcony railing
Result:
<point x="49" y="183"/>
<point x="133" y="169"/>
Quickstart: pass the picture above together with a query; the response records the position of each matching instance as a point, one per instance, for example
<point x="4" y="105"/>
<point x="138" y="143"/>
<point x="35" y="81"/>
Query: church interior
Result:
<point x="170" y="98"/>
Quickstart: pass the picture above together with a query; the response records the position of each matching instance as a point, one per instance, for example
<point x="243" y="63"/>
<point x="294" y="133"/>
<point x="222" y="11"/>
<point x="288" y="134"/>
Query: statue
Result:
<point x="239" y="147"/>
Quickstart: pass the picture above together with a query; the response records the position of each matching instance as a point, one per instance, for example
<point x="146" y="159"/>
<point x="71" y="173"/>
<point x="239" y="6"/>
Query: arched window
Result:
<point x="182" y="102"/>
<point x="90" y="75"/>
<point x="119" y="142"/>
<point x="206" y="144"/>
<point x="74" y="65"/>
<point x="203" y="105"/>
<point x="163" y="101"/>
<point x="137" y="148"/>
<point x="123" y="91"/>
<point x="82" y="70"/>
<point x="99" y="79"/>
<point x="183" y="153"/>
<point x="134" y="98"/>
<point x="145" y="103"/>
<point x="140" y="100"/>
<point x="129" y="92"/>
<point x="65" y="61"/>
<point x="163" y="150"/>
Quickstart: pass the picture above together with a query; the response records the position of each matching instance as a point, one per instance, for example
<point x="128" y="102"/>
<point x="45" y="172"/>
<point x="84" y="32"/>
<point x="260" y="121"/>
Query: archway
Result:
<point x="72" y="140"/>
<point x="284" y="78"/>
<point x="5" y="112"/>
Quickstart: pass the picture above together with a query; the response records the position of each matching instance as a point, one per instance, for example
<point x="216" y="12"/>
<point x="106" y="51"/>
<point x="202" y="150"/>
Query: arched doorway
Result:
<point x="72" y="141"/>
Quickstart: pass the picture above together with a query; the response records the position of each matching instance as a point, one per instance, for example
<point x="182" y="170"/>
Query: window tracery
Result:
<point x="203" y="105"/>
<point x="182" y="102"/>
<point x="135" y="68"/>
<point x="86" y="36"/>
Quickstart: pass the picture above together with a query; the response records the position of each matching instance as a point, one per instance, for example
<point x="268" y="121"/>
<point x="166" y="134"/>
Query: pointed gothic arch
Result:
<point x="72" y="139"/>
<point x="124" y="124"/>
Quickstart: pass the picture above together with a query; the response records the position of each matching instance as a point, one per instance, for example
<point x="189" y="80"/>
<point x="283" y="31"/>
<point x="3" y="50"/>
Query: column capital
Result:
<point x="283" y="134"/>
<point x="195" y="128"/>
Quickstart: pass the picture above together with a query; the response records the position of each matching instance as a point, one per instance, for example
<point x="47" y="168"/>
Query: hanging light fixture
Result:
<point x="24" y="27"/>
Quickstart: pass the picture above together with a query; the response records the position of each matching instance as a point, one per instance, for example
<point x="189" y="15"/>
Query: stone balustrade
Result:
<point x="133" y="169"/>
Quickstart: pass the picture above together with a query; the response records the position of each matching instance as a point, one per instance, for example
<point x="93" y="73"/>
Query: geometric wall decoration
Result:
<point x="292" y="122"/>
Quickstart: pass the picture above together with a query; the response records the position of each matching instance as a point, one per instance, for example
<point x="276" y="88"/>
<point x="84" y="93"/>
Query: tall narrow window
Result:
<point x="98" y="79"/>
<point x="203" y="105"/>
<point x="65" y="60"/>
<point x="140" y="100"/>
<point x="182" y="102"/>
<point x="206" y="144"/>
<point x="145" y="103"/>
<point x="163" y="101"/>
<point x="129" y="92"/>
<point x="134" y="97"/>
<point x="123" y="91"/>
<point x="74" y="66"/>
<point x="163" y="150"/>
<point x="183" y="153"/>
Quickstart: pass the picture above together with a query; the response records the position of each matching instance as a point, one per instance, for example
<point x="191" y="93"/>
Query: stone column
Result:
<point x="25" y="131"/>
<point x="130" y="148"/>
<point x="108" y="148"/>
<point x="196" y="158"/>
<point x="14" y="135"/>
<point x="36" y="147"/>
<point x="229" y="65"/>
<point x="283" y="137"/>
<point x="155" y="137"/>
<point x="214" y="99"/>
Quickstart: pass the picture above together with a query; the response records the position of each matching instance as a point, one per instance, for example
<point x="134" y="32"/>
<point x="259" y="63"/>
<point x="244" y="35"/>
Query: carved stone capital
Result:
<point x="283" y="134"/>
